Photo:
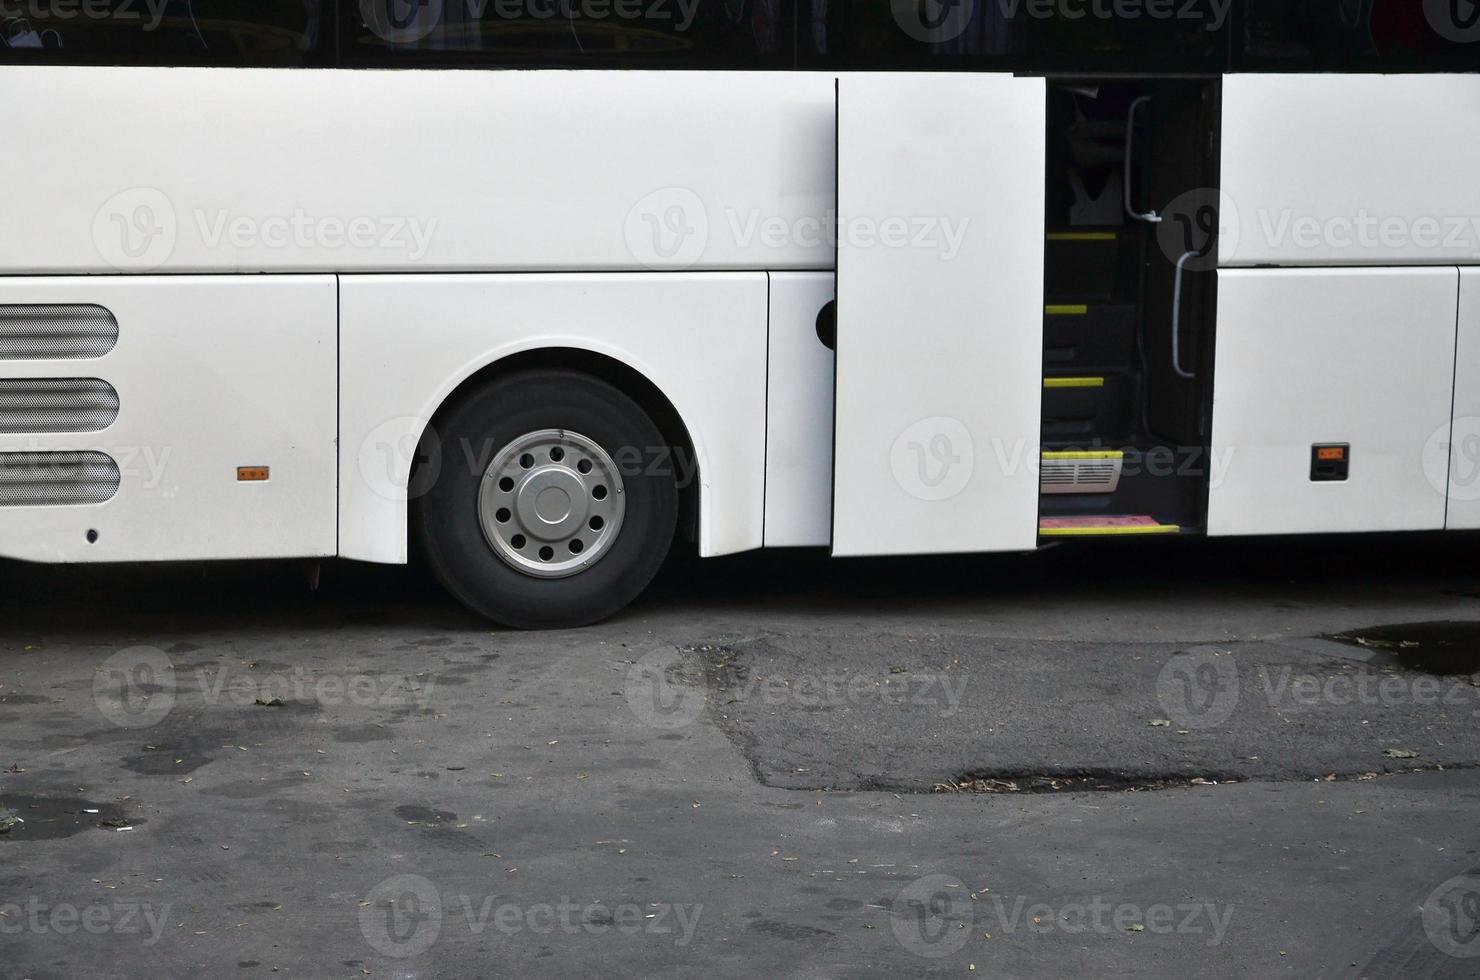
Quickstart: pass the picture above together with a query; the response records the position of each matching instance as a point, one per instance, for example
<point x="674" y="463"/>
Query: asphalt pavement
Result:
<point x="1173" y="759"/>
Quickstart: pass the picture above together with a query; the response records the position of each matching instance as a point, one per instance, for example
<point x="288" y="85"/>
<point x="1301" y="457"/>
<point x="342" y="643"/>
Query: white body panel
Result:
<point x="212" y="373"/>
<point x="240" y="170"/>
<point x="409" y="341"/>
<point x="475" y="215"/>
<point x="940" y="341"/>
<point x="799" y="414"/>
<point x="1351" y="170"/>
<point x="1330" y="356"/>
<point x="1464" y="445"/>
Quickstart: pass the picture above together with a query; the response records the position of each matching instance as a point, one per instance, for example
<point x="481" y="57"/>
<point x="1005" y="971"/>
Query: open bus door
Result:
<point x="939" y="313"/>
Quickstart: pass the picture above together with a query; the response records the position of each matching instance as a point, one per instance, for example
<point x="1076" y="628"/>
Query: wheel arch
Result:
<point x="604" y="366"/>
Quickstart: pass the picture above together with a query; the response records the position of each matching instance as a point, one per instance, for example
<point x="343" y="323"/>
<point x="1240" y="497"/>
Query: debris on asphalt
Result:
<point x="1399" y="754"/>
<point x="1160" y="723"/>
<point x="8" y="819"/>
<point x="1077" y="783"/>
<point x="269" y="702"/>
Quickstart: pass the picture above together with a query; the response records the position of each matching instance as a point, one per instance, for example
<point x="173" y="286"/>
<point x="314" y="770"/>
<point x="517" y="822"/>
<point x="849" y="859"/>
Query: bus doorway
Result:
<point x="1131" y="237"/>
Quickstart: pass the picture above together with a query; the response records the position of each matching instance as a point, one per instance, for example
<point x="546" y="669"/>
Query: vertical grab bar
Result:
<point x="1150" y="217"/>
<point x="1177" y="318"/>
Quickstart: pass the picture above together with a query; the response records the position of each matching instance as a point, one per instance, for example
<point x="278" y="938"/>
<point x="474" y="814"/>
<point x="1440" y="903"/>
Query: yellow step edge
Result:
<point x="1102" y="532"/>
<point x="1073" y="382"/>
<point x="1066" y="309"/>
<point x="1082" y="236"/>
<point x="1092" y="454"/>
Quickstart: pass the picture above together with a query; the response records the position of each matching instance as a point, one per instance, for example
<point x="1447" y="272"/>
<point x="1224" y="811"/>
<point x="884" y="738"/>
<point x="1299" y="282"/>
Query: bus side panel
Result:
<point x="799" y="414"/>
<point x="1330" y="358"/>
<point x="1463" y="456"/>
<point x="247" y="170"/>
<point x="212" y="374"/>
<point x="410" y="341"/>
<point x="1372" y="170"/>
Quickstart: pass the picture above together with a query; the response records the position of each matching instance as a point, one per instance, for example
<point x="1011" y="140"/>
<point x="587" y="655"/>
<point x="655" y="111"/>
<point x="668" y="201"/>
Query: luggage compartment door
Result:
<point x="1332" y="386"/>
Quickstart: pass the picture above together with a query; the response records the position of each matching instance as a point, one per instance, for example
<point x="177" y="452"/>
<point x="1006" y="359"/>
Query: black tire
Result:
<point x="478" y="425"/>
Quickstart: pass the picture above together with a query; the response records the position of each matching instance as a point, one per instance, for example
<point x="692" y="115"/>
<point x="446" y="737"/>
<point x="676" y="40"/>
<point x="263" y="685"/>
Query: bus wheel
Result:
<point x="548" y="512"/>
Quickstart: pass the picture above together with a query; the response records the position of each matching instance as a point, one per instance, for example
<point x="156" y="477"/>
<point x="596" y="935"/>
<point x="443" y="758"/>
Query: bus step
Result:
<point x="1096" y="471"/>
<point x="1087" y="263"/>
<point x="1100" y="527"/>
<point x="1083" y="408"/>
<point x="1089" y="335"/>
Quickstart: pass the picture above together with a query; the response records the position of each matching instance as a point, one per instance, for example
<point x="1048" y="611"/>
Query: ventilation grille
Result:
<point x="60" y="478"/>
<point x="55" y="332"/>
<point x="1073" y="474"/>
<point x="56" y="405"/>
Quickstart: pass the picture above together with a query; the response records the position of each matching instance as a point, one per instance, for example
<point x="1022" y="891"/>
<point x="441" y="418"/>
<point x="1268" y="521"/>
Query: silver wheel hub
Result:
<point x="551" y="503"/>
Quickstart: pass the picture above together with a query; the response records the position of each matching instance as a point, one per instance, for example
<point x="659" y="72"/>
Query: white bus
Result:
<point x="540" y="287"/>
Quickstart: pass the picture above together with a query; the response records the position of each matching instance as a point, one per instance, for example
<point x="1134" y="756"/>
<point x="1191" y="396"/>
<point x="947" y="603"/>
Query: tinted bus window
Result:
<point x="1060" y="36"/>
<point x="1359" y="35"/>
<point x="251" y="33"/>
<point x="713" y="34"/>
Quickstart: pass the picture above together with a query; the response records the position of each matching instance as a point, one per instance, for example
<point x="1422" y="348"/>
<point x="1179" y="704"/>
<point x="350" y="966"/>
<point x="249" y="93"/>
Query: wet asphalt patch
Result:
<point x="32" y="818"/>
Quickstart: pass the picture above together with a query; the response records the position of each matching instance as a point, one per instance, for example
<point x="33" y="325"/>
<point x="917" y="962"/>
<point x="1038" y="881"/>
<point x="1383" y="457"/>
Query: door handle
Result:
<point x="1177" y="317"/>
